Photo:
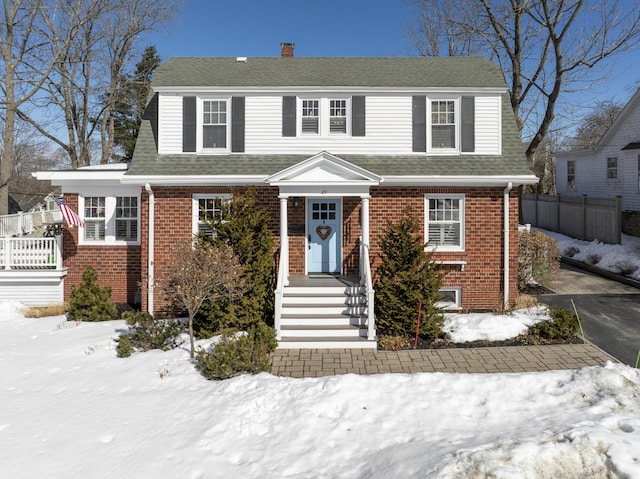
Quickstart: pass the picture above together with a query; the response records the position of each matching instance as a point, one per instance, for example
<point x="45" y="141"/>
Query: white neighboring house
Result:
<point x="611" y="167"/>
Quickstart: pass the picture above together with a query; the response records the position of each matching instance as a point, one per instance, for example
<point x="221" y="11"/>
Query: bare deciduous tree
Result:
<point x="201" y="273"/>
<point x="595" y="124"/>
<point x="84" y="84"/>
<point x="544" y="47"/>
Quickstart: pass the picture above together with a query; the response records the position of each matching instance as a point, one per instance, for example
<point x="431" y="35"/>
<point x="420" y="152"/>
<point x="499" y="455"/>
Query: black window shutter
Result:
<point x="468" y="123"/>
<point x="358" y="116"/>
<point x="419" y="123"/>
<point x="289" y="116"/>
<point x="237" y="124"/>
<point x="188" y="124"/>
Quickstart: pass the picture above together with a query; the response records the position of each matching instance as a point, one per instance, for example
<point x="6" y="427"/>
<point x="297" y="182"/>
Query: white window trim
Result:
<point x="457" y="121"/>
<point x="456" y="196"/>
<point x="458" y="301"/>
<point x="324" y="110"/>
<point x="195" y="207"/>
<point x="200" y="125"/>
<point x="109" y="218"/>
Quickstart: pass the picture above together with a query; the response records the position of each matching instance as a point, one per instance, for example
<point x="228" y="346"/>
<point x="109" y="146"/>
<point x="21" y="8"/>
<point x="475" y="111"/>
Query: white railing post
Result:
<point x="59" y="257"/>
<point x="8" y="253"/>
<point x="283" y="265"/>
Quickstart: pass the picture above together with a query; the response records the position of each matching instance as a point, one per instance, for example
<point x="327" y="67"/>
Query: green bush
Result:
<point x="244" y="226"/>
<point x="147" y="332"/>
<point x="236" y="354"/>
<point x="90" y="302"/>
<point x="563" y="325"/>
<point x="538" y="259"/>
<point x="407" y="276"/>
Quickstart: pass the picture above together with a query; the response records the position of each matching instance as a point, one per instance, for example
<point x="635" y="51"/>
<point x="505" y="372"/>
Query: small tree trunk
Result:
<point x="191" y="342"/>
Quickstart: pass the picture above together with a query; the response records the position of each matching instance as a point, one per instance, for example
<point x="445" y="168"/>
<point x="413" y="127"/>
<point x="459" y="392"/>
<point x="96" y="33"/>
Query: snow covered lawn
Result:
<point x="69" y="408"/>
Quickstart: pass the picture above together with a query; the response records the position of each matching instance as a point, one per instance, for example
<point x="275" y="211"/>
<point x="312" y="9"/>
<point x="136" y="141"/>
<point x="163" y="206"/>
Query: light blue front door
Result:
<point x="323" y="227"/>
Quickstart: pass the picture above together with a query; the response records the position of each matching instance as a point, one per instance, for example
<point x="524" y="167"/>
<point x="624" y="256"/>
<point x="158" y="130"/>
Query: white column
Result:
<point x="364" y="213"/>
<point x="284" y="239"/>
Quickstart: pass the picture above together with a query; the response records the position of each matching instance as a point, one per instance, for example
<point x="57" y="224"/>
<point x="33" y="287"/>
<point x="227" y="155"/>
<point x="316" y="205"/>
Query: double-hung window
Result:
<point x="612" y="168"/>
<point x="444" y="222"/>
<point x="443" y="124"/>
<point x="310" y="116"/>
<point x="110" y="219"/>
<point x="127" y="218"/>
<point x="338" y="116"/>
<point x="214" y="124"/>
<point x="94" y="218"/>
<point x="205" y="209"/>
<point x="571" y="174"/>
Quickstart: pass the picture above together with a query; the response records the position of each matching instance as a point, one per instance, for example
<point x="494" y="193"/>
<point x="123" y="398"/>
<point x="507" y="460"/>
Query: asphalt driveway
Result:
<point x="609" y="310"/>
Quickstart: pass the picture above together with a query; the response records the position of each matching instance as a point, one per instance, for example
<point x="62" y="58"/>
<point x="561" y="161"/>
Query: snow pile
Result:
<point x="617" y="258"/>
<point x="461" y="328"/>
<point x="71" y="408"/>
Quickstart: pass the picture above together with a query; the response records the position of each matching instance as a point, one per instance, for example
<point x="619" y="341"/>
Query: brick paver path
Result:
<point x="514" y="359"/>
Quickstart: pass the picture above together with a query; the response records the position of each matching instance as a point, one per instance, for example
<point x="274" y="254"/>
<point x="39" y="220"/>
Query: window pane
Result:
<point x="443" y="137"/>
<point x="444" y="222"/>
<point x="214" y="136"/>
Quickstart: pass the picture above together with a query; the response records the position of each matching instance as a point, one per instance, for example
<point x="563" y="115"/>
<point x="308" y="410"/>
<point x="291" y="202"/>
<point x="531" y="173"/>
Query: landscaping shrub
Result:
<point x="90" y="302"/>
<point x="538" y="259"/>
<point x="563" y="325"/>
<point x="626" y="268"/>
<point x="147" y="332"/>
<point x="593" y="258"/>
<point x="406" y="276"/>
<point x="571" y="251"/>
<point x="244" y="226"/>
<point x="248" y="352"/>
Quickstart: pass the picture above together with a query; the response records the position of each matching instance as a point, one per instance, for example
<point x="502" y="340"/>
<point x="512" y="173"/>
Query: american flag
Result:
<point x="70" y="216"/>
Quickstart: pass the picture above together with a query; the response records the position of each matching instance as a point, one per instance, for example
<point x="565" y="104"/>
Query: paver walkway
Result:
<point x="513" y="359"/>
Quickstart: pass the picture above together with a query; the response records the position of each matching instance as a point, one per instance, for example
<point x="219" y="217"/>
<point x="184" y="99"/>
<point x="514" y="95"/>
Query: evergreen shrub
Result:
<point x="246" y="352"/>
<point x="407" y="276"/>
<point x="244" y="226"/>
<point x="90" y="302"/>
<point x="147" y="332"/>
<point x="563" y="325"/>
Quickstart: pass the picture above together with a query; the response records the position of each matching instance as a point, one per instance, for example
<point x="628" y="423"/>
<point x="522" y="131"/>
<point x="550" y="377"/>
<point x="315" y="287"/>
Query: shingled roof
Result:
<point x="416" y="72"/>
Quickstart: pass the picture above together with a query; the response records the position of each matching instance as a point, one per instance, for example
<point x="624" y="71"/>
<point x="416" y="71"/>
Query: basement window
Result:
<point x="450" y="298"/>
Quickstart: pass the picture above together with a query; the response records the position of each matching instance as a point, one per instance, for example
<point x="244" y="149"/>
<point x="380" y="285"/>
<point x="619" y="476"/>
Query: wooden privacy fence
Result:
<point x="581" y="217"/>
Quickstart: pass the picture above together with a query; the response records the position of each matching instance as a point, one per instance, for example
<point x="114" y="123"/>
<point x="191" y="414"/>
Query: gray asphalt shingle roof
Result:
<point x="362" y="72"/>
<point x="417" y="72"/>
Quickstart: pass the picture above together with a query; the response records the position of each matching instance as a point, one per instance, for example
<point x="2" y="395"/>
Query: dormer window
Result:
<point x="310" y="116"/>
<point x="338" y="116"/>
<point x="214" y="124"/>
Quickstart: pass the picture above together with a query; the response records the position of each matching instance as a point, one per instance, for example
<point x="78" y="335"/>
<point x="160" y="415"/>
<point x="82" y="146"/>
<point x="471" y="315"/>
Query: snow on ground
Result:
<point x="71" y="408"/>
<point x="616" y="258"/>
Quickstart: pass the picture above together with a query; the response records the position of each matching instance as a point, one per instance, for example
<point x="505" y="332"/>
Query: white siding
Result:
<point x="32" y="288"/>
<point x="388" y="129"/>
<point x="169" y="124"/>
<point x="591" y="167"/>
<point x="488" y="126"/>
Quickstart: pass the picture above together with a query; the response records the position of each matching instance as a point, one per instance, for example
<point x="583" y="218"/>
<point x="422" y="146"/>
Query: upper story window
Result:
<point x="338" y="116"/>
<point x="205" y="209"/>
<point x="612" y="168"/>
<point x="110" y="219"/>
<point x="571" y="174"/>
<point x="310" y="116"/>
<point x="444" y="222"/>
<point x="443" y="124"/>
<point x="214" y="124"/>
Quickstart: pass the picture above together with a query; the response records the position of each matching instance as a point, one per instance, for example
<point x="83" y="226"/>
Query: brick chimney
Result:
<point x="287" y="49"/>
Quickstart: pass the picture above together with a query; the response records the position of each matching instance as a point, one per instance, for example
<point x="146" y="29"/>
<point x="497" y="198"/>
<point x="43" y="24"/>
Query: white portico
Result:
<point x="323" y="181"/>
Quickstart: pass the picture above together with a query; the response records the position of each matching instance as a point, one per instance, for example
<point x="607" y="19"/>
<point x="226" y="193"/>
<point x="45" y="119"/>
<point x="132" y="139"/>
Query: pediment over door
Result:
<point x="324" y="174"/>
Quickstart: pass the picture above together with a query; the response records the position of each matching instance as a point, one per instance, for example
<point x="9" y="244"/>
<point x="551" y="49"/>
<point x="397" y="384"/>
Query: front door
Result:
<point x="323" y="235"/>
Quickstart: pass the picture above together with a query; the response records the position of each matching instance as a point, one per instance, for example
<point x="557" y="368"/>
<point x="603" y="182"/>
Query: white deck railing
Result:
<point x="31" y="253"/>
<point x="18" y="224"/>
<point x="366" y="281"/>
<point x="280" y="284"/>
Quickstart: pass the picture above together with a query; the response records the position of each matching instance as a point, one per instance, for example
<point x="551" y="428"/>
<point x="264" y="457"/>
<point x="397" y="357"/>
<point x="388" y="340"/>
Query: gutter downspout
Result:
<point x="506" y="192"/>
<point x="151" y="253"/>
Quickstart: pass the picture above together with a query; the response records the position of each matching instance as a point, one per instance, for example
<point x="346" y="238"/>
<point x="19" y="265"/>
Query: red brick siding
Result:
<point x="481" y="281"/>
<point x="117" y="266"/>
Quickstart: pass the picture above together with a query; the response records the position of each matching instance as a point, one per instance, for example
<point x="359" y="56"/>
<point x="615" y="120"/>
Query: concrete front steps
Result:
<point x="324" y="317"/>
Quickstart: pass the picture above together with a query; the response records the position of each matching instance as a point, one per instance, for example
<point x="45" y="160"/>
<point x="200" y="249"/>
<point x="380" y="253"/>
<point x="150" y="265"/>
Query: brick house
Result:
<point x="333" y="147"/>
